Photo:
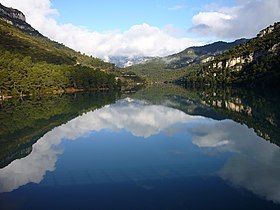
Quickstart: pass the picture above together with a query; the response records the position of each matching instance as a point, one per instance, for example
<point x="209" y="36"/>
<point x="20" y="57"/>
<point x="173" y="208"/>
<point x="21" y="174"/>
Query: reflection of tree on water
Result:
<point x="250" y="162"/>
<point x="23" y="122"/>
<point x="256" y="109"/>
<point x="146" y="120"/>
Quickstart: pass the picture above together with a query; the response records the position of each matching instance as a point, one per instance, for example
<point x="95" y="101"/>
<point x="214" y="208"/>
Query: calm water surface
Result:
<point x="159" y="148"/>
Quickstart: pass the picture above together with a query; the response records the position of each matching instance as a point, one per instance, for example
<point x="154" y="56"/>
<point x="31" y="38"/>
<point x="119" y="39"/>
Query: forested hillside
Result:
<point x="255" y="63"/>
<point x="31" y="63"/>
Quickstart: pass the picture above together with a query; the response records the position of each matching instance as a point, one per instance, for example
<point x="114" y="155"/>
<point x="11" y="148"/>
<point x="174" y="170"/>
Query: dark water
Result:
<point x="160" y="148"/>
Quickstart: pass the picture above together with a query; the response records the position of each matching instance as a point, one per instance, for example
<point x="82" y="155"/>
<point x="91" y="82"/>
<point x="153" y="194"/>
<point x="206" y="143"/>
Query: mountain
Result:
<point x="162" y="69"/>
<point x="17" y="36"/>
<point x="16" y="18"/>
<point x="200" y="54"/>
<point x="255" y="63"/>
<point x="125" y="61"/>
<point x="31" y="63"/>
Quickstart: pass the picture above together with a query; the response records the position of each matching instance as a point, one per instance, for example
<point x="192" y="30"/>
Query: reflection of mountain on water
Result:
<point x="179" y="98"/>
<point x="256" y="109"/>
<point x="198" y="146"/>
<point x="136" y="117"/>
<point x="23" y="122"/>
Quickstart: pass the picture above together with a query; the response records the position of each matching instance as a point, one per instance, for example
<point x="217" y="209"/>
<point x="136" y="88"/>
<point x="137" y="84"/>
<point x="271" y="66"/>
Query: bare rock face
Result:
<point x="268" y="30"/>
<point x="275" y="48"/>
<point x="235" y="63"/>
<point x="16" y="18"/>
<point x="12" y="13"/>
<point x="208" y="59"/>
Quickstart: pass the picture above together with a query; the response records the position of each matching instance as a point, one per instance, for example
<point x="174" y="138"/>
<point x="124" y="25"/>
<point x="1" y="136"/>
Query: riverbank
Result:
<point x="57" y="92"/>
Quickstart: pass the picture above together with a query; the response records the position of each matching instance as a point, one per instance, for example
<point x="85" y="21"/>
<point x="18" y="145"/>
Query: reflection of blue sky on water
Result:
<point x="132" y="134"/>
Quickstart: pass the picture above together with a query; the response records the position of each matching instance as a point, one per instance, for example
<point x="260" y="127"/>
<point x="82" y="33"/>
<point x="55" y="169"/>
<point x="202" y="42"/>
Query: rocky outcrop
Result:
<point x="268" y="30"/>
<point x="275" y="48"/>
<point x="235" y="63"/>
<point x="12" y="13"/>
<point x="208" y="59"/>
<point x="16" y="18"/>
<point x="255" y="63"/>
<point x="238" y="61"/>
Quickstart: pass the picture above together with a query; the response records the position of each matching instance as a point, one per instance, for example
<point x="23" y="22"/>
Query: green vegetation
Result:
<point x="244" y="62"/>
<point x="40" y="48"/>
<point x="173" y="67"/>
<point x="155" y="71"/>
<point x="254" y="108"/>
<point x="130" y="81"/>
<point x="198" y="55"/>
<point x="257" y="64"/>
<point x="32" y="64"/>
<point x="24" y="121"/>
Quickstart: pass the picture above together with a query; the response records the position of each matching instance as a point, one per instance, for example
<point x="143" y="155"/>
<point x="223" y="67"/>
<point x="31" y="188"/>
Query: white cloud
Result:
<point x="245" y="19"/>
<point x="142" y="39"/>
<point x="254" y="161"/>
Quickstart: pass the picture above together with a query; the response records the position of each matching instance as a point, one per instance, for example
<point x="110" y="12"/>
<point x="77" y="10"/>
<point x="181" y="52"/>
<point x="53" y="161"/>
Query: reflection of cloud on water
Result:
<point x="255" y="163"/>
<point x="30" y="169"/>
<point x="262" y="178"/>
<point x="134" y="116"/>
<point x="137" y="117"/>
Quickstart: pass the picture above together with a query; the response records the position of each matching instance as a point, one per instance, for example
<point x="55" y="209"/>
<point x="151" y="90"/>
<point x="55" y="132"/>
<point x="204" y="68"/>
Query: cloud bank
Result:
<point x="245" y="19"/>
<point x="139" y="40"/>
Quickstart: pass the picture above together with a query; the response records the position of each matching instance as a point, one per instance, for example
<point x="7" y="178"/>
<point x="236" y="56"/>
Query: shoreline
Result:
<point x="66" y="91"/>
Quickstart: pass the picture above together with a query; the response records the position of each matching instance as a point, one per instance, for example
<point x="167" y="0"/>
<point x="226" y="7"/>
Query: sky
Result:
<point x="145" y="27"/>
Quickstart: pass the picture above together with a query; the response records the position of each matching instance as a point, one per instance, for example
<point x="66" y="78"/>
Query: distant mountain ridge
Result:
<point x="199" y="54"/>
<point x="179" y="60"/>
<point x="253" y="62"/>
<point x="172" y="67"/>
<point x="126" y="61"/>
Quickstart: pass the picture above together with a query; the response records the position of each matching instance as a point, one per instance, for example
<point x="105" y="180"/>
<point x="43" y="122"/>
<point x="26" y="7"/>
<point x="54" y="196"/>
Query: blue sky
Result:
<point x="107" y="28"/>
<point x="111" y="14"/>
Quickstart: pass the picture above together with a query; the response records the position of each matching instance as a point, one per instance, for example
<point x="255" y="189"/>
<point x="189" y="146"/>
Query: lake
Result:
<point x="162" y="147"/>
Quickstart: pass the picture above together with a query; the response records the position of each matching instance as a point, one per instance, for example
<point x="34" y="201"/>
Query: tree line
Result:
<point x="19" y="75"/>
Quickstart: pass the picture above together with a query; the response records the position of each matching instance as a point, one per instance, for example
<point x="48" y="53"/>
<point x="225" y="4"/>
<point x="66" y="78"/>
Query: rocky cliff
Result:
<point x="16" y="18"/>
<point x="236" y="63"/>
<point x="253" y="62"/>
